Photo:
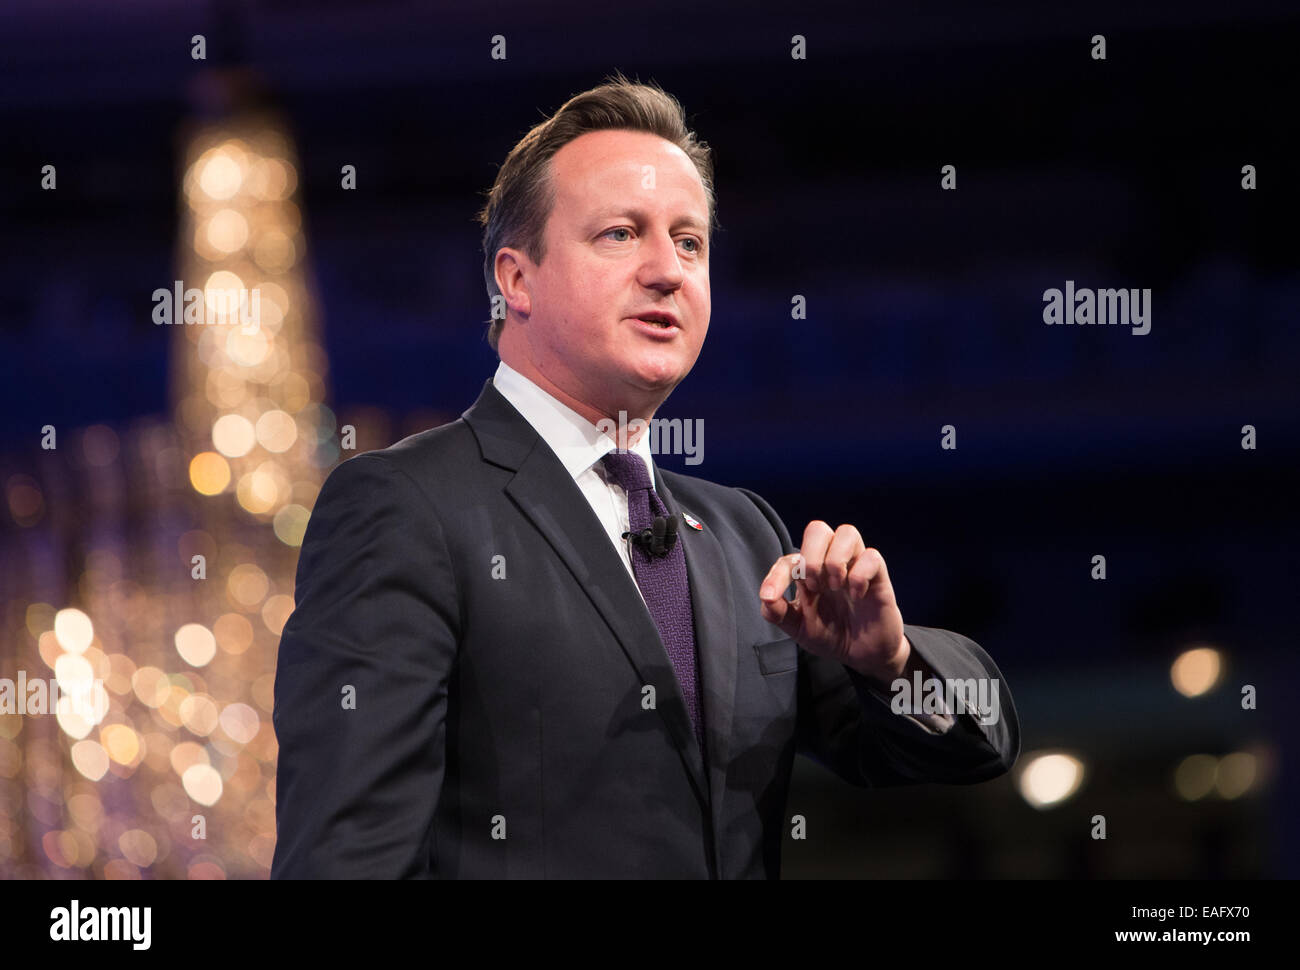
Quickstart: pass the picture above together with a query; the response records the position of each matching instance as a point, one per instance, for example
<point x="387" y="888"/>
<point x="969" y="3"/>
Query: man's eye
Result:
<point x="620" y="229"/>
<point x="695" y="242"/>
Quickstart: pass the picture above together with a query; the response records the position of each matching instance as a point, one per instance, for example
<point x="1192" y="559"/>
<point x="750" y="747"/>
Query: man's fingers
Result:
<point x="784" y="614"/>
<point x="869" y="572"/>
<point x="777" y="578"/>
<point x="771" y="594"/>
<point x="816" y="542"/>
<point x="833" y="559"/>
<point x="846" y="545"/>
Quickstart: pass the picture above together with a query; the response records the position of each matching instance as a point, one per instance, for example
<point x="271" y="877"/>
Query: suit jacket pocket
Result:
<point x="777" y="657"/>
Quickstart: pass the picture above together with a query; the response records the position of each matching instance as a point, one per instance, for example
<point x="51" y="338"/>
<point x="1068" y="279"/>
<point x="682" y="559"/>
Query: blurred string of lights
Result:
<point x="175" y="672"/>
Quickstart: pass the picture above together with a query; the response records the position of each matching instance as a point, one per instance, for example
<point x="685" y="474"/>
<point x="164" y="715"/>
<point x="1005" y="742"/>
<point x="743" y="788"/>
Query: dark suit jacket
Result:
<point x="489" y="705"/>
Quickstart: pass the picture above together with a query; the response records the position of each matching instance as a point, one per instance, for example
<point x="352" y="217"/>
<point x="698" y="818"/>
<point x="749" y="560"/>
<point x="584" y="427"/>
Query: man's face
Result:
<point x="627" y="237"/>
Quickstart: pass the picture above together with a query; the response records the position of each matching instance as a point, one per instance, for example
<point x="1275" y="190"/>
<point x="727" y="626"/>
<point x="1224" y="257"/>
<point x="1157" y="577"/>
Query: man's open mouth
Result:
<point x="662" y="321"/>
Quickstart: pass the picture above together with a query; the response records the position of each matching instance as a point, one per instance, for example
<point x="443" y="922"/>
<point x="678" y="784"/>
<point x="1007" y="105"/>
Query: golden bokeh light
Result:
<point x="61" y="848"/>
<point x="151" y="686"/>
<point x="77" y="713"/>
<point x="199" y="714"/>
<point x="290" y="524"/>
<point x="1196" y="671"/>
<point x="223" y="297"/>
<point x="233" y="435"/>
<point x="1049" y="778"/>
<point x="74" y="673"/>
<point x="196" y="644"/>
<point x="86" y="809"/>
<point x="240" y="722"/>
<point x="90" y="759"/>
<point x="272" y="312"/>
<point x="247" y="585"/>
<point x="202" y="783"/>
<point x="270" y="179"/>
<point x="72" y="721"/>
<point x="49" y="649"/>
<point x="248" y="349"/>
<point x="209" y="473"/>
<point x="1195" y="775"/>
<point x="139" y="847"/>
<point x="234" y="633"/>
<point x="227" y="230"/>
<point x="274" y="252"/>
<point x="1236" y="775"/>
<point x="121" y="670"/>
<point x="276" y="431"/>
<point x="186" y="754"/>
<point x="257" y="491"/>
<point x="220" y="173"/>
<point x="275" y="612"/>
<point x="121" y="743"/>
<point x="73" y="630"/>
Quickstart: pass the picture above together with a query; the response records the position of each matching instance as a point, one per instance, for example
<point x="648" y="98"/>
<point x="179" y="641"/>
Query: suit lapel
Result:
<point x="547" y="496"/>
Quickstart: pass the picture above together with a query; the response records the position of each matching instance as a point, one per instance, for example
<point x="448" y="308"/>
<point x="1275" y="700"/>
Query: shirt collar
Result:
<point x="577" y="442"/>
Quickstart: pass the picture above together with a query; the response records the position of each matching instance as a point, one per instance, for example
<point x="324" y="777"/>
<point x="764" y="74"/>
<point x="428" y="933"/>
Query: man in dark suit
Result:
<point x="503" y="664"/>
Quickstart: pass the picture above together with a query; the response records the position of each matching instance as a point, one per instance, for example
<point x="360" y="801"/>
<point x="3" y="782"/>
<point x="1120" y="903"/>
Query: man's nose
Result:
<point x="661" y="265"/>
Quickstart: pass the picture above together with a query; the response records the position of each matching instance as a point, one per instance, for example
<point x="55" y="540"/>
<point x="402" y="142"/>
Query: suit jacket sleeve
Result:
<point x="845" y="724"/>
<point x="376" y="619"/>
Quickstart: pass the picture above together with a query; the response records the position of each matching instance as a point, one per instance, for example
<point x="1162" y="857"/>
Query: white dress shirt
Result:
<point x="580" y="446"/>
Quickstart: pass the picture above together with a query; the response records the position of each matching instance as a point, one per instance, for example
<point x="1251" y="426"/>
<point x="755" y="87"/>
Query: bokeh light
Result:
<point x="220" y="173"/>
<point x="1196" y="671"/>
<point x="73" y="630"/>
<point x="196" y="644"/>
<point x="209" y="473"/>
<point x="1049" y="778"/>
<point x="233" y="435"/>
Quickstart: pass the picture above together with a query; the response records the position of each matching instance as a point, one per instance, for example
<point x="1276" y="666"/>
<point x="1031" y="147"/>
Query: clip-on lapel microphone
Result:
<point x="658" y="539"/>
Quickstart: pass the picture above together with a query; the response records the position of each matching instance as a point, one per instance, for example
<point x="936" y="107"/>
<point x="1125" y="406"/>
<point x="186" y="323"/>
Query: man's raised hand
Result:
<point x="844" y="606"/>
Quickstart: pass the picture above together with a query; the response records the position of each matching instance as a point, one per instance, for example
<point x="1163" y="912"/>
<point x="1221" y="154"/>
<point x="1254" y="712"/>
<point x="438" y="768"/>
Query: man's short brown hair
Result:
<point x="520" y="200"/>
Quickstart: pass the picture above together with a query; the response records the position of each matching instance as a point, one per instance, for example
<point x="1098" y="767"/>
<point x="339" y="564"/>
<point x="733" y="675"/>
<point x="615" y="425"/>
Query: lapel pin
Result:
<point x="693" y="522"/>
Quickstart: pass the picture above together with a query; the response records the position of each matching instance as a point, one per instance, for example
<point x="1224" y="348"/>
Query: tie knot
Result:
<point x="628" y="470"/>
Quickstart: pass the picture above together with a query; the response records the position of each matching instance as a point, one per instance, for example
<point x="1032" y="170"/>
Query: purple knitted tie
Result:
<point x="662" y="579"/>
